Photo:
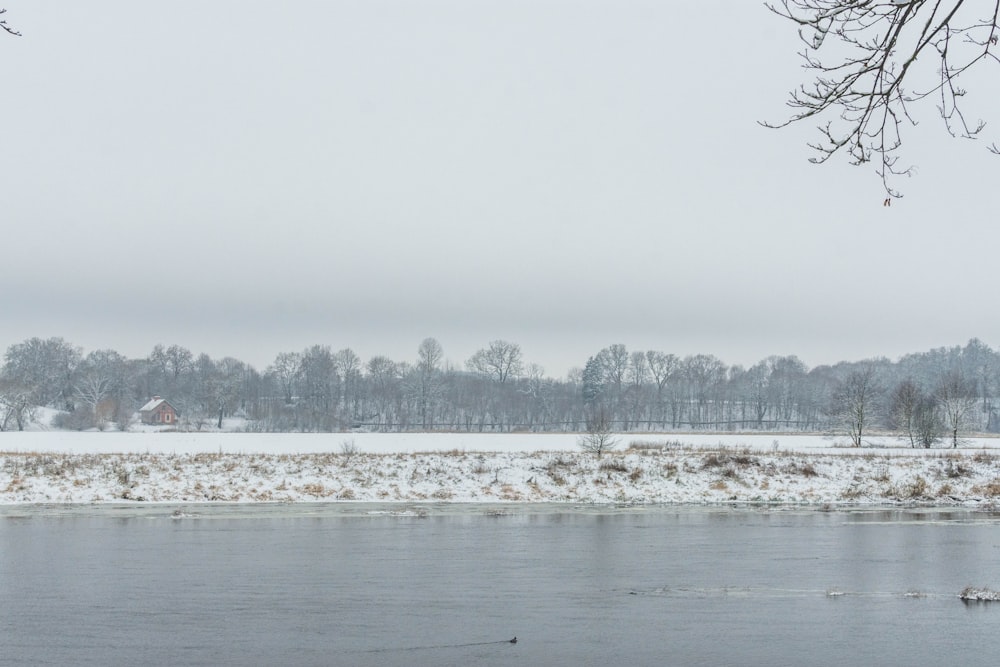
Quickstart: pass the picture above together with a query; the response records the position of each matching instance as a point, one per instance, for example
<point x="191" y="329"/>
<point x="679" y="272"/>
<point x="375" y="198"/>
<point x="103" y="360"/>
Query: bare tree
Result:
<point x="661" y="367"/>
<point x="903" y="406"/>
<point x="15" y="405"/>
<point x="45" y="368"/>
<point x="615" y="359"/>
<point x="599" y="437"/>
<point x="957" y="398"/>
<point x="872" y="60"/>
<point x="285" y="370"/>
<point x="92" y="389"/>
<point x="383" y="379"/>
<point x="348" y="365"/>
<point x="6" y="28"/>
<point x="320" y="386"/>
<point x="499" y="361"/>
<point x="637" y="374"/>
<point x="927" y="421"/>
<point x="855" y="402"/>
<point x="426" y="382"/>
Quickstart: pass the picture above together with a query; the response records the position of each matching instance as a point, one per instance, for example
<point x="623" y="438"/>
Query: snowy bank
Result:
<point x="650" y="474"/>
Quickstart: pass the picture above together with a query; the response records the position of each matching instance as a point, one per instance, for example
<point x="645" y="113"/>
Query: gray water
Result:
<point x="363" y="585"/>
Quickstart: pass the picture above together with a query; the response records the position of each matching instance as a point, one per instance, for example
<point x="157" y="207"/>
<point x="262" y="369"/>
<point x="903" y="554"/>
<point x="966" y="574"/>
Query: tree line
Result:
<point x="925" y="397"/>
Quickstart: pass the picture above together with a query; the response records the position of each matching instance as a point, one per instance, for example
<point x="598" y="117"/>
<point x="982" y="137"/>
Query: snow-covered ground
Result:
<point x="64" y="467"/>
<point x="168" y="442"/>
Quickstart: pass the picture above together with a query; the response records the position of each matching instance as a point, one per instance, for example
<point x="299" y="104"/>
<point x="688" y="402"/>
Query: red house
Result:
<point x="157" y="411"/>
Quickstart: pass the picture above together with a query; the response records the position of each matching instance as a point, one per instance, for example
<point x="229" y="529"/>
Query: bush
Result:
<point x="78" y="420"/>
<point x="983" y="456"/>
<point x="954" y="469"/>
<point x="918" y="488"/>
<point x="614" y="466"/>
<point x="348" y="449"/>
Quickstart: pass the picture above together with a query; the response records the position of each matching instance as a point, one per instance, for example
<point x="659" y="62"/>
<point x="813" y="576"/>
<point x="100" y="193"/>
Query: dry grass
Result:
<point x="724" y="459"/>
<point x="801" y="468"/>
<point x="612" y="465"/>
<point x="452" y="453"/>
<point x="881" y="474"/>
<point x="991" y="489"/>
<point x="288" y="477"/>
<point x="653" y="446"/>
<point x="953" y="468"/>
<point x="508" y="492"/>
<point x="916" y="489"/>
<point x="853" y="492"/>
<point x="984" y="456"/>
<point x="316" y="489"/>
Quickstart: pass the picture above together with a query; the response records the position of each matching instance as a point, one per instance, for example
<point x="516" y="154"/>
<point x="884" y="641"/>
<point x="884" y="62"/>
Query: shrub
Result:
<point x="348" y="449"/>
<point x="315" y="489"/>
<point x="983" y="456"/>
<point x="613" y="466"/>
<point x="714" y="460"/>
<point x="853" y="492"/>
<point x="806" y="469"/>
<point x="744" y="459"/>
<point x="991" y="489"/>
<point x="646" y="446"/>
<point x="954" y="469"/>
<point x="729" y="462"/>
<point x="918" y="488"/>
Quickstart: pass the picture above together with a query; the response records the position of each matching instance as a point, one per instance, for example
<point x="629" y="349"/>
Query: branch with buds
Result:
<point x="872" y="60"/>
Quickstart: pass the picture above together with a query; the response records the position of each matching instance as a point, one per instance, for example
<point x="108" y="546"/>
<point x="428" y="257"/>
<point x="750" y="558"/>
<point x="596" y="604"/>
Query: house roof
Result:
<point x="153" y="404"/>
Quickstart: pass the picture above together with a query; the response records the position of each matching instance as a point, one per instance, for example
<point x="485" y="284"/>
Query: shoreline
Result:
<point x="682" y="476"/>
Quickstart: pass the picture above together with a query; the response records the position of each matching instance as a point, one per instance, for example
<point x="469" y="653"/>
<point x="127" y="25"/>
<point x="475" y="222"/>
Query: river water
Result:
<point x="357" y="584"/>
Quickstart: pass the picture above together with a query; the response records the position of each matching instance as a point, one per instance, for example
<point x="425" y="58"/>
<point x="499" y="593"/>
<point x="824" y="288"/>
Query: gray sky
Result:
<point x="246" y="178"/>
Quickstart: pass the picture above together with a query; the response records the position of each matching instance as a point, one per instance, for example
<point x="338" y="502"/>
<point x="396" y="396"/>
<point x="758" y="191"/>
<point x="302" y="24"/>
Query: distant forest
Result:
<point x="927" y="397"/>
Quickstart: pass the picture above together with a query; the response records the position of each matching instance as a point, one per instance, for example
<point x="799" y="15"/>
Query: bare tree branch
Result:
<point x="6" y="28"/>
<point x="879" y="57"/>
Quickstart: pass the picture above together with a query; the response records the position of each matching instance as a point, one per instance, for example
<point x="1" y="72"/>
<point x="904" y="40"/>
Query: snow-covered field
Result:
<point x="70" y="467"/>
<point x="169" y="442"/>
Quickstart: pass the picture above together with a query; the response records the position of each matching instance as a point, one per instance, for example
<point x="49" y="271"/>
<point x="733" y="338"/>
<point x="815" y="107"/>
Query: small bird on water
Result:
<point x="514" y="640"/>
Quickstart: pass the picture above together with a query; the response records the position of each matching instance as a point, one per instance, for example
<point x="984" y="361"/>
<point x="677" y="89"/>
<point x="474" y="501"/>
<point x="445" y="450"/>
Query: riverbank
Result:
<point x="652" y="474"/>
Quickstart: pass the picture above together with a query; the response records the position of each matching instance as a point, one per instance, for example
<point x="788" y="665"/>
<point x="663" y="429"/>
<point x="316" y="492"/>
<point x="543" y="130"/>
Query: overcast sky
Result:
<point x="245" y="178"/>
